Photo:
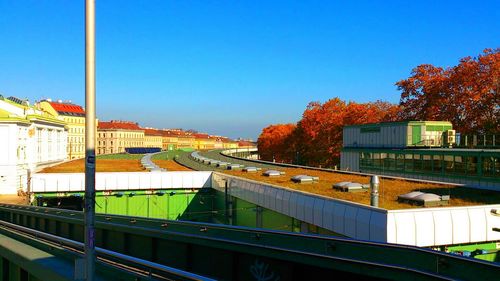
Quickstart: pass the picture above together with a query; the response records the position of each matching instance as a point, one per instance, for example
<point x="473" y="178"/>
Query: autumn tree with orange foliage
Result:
<point x="466" y="95"/>
<point x="319" y="133"/>
<point x="317" y="138"/>
<point x="276" y="143"/>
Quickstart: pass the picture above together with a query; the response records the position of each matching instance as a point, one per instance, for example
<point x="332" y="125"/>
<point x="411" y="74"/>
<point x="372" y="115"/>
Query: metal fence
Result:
<point x="478" y="141"/>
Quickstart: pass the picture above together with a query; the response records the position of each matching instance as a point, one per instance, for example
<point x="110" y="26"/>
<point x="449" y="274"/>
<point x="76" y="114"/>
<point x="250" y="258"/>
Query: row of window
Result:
<point x="482" y="166"/>
<point x="80" y="120"/>
<point x="120" y="135"/>
<point x="122" y="143"/>
<point x="76" y="130"/>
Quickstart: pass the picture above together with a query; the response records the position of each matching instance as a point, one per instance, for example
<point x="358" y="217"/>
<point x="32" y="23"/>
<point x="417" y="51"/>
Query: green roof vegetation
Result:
<point x="167" y="155"/>
<point x="120" y="156"/>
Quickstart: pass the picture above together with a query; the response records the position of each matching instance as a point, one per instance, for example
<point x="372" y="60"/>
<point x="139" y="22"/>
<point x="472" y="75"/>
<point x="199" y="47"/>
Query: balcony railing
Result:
<point x="478" y="141"/>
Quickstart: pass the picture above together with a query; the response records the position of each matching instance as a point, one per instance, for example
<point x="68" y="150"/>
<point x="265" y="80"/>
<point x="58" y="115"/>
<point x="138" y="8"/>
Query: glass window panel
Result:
<point x="491" y="167"/>
<point x="449" y="165"/>
<point x="427" y="163"/>
<point x="390" y="161"/>
<point x="472" y="166"/>
<point x="438" y="163"/>
<point x="400" y="162"/>
<point x="376" y="160"/>
<point x="497" y="167"/>
<point x="409" y="162"/>
<point x="417" y="161"/>
<point x="459" y="165"/>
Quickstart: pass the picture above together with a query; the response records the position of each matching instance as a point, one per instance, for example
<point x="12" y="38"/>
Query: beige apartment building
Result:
<point x="185" y="140"/>
<point x="228" y="143"/>
<point x="74" y="116"/>
<point x="114" y="136"/>
<point x="204" y="141"/>
<point x="170" y="139"/>
<point x="153" y="138"/>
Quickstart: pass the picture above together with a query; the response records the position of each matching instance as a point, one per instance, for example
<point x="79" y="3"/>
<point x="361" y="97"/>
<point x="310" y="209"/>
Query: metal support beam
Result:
<point x="90" y="128"/>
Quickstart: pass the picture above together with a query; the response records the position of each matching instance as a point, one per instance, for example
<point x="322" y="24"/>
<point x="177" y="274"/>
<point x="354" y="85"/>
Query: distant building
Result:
<point x="204" y="141"/>
<point x="170" y="139"/>
<point x="418" y="149"/>
<point x="245" y="144"/>
<point x="186" y="141"/>
<point x="74" y="116"/>
<point x="30" y="140"/>
<point x="153" y="138"/>
<point x="114" y="136"/>
<point x="228" y="143"/>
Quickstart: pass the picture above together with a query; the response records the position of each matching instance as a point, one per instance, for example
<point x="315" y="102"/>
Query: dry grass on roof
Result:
<point x="13" y="199"/>
<point x="389" y="189"/>
<point x="171" y="165"/>
<point x="102" y="165"/>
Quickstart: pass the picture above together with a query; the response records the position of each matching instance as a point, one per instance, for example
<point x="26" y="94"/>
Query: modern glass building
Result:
<point x="472" y="167"/>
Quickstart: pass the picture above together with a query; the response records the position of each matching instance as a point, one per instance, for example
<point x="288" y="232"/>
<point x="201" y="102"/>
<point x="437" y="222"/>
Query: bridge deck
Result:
<point x="235" y="253"/>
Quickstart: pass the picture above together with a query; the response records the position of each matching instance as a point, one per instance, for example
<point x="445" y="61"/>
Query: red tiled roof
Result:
<point x="122" y="125"/>
<point x="226" y="140"/>
<point x="201" y="136"/>
<point x="67" y="108"/>
<point x="169" y="133"/>
<point x="245" y="143"/>
<point x="152" y="132"/>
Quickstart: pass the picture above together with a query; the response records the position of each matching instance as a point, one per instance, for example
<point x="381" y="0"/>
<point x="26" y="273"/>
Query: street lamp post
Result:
<point x="89" y="209"/>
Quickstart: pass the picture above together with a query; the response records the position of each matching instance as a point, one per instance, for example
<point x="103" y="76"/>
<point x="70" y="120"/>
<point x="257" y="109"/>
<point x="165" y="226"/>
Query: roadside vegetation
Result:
<point x="166" y="160"/>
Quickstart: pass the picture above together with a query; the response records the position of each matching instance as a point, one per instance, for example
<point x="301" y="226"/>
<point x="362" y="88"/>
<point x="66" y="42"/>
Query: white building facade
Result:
<point x="30" y="140"/>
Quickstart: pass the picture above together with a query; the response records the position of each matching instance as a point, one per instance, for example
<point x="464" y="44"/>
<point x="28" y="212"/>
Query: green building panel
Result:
<point x="199" y="207"/>
<point x="101" y="204"/>
<point x="116" y="205"/>
<point x="276" y="221"/>
<point x="177" y="204"/>
<point x="416" y="131"/>
<point x="246" y="213"/>
<point x="138" y="205"/>
<point x="158" y="206"/>
<point x="484" y="251"/>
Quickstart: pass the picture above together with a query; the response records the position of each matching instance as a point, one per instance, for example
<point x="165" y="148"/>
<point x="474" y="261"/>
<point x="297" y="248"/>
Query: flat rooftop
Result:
<point x="389" y="189"/>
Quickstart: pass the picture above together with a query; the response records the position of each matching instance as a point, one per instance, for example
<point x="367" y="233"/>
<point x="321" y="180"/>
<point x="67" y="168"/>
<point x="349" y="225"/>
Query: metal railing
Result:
<point x="478" y="141"/>
<point x="103" y="255"/>
<point x="330" y="252"/>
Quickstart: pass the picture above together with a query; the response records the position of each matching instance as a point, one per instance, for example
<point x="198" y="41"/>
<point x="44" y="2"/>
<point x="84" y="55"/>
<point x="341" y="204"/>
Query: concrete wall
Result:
<point x="442" y="226"/>
<point x="418" y="227"/>
<point x="343" y="217"/>
<point x="73" y="182"/>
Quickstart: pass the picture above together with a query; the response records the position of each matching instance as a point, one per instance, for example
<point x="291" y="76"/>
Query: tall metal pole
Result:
<point x="90" y="128"/>
<point x="374" y="184"/>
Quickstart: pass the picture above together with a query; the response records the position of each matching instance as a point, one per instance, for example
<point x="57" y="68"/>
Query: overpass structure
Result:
<point x="40" y="243"/>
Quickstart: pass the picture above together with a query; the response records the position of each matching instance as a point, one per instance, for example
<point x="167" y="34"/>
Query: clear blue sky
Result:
<point x="232" y="67"/>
